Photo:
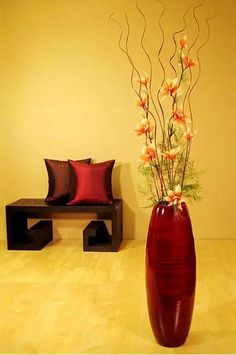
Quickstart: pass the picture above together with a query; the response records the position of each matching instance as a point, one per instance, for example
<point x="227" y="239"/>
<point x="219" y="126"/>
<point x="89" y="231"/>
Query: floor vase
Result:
<point x="170" y="274"/>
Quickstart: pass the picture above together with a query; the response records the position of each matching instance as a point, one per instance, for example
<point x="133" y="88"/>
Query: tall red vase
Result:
<point x="170" y="274"/>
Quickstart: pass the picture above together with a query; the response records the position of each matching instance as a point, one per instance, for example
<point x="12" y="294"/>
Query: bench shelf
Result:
<point x="95" y="235"/>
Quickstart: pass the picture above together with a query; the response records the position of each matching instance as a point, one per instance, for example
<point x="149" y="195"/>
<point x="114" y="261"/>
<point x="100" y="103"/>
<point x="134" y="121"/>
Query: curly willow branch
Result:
<point x="198" y="26"/>
<point x="200" y="68"/>
<point x="150" y="63"/>
<point x="189" y="90"/>
<point x="174" y="34"/>
<point x="155" y="180"/>
<point x="192" y="88"/>
<point x="152" y="100"/>
<point x="127" y="54"/>
<point x="136" y="70"/>
<point x="130" y="59"/>
<point x="160" y="62"/>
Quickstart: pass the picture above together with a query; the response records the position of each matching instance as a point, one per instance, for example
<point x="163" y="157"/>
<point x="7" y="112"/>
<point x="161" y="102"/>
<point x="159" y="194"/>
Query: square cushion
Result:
<point x="93" y="183"/>
<point x="60" y="181"/>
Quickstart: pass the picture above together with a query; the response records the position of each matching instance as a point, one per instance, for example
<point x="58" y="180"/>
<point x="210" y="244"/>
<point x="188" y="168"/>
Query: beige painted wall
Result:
<point x="65" y="93"/>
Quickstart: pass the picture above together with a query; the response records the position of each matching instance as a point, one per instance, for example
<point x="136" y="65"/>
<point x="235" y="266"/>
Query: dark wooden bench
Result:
<point x="95" y="235"/>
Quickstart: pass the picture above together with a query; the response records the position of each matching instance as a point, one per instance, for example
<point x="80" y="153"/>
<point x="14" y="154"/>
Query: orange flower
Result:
<point x="142" y="102"/>
<point x="175" y="197"/>
<point x="188" y="135"/>
<point x="178" y="116"/>
<point x="171" y="154"/>
<point x="148" y="153"/>
<point x="144" y="80"/>
<point x="183" y="42"/>
<point x="144" y="126"/>
<point x="188" y="62"/>
<point x="171" y="87"/>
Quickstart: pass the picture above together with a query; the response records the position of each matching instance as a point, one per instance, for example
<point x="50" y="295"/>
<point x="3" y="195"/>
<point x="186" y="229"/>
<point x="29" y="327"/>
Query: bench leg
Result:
<point x="117" y="227"/>
<point x="16" y="229"/>
<point x="94" y="233"/>
<point x="96" y="237"/>
<point x="19" y="237"/>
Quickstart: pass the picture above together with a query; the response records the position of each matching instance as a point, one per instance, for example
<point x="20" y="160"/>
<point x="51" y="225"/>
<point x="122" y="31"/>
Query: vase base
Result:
<point x="171" y="344"/>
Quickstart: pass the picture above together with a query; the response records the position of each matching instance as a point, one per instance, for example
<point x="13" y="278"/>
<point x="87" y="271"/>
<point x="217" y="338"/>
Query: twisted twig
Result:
<point x="130" y="59"/>
<point x="154" y="105"/>
<point x="198" y="26"/>
<point x="160" y="62"/>
<point x="124" y="50"/>
<point x="200" y="68"/>
<point x="174" y="34"/>
<point x="150" y="63"/>
<point x="192" y="88"/>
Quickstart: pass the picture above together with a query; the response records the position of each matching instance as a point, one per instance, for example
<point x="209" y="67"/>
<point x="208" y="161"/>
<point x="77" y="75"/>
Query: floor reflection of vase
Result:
<point x="170" y="274"/>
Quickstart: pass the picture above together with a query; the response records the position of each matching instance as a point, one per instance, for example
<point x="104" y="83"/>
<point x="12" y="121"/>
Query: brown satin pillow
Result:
<point x="60" y="180"/>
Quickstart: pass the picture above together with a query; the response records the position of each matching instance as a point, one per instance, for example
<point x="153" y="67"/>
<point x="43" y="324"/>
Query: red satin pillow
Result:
<point x="93" y="183"/>
<point x="60" y="181"/>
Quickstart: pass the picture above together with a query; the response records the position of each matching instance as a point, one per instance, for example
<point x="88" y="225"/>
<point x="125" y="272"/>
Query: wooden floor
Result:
<point x="61" y="300"/>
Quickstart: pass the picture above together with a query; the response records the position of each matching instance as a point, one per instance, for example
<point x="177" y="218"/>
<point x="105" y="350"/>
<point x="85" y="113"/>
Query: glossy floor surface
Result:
<point x="61" y="300"/>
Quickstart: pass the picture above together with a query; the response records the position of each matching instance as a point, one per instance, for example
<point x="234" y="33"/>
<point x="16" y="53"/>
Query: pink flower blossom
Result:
<point x="171" y="154"/>
<point x="178" y="116"/>
<point x="148" y="153"/>
<point x="188" y="134"/>
<point x="188" y="62"/>
<point x="175" y="197"/>
<point x="183" y="42"/>
<point x="170" y="87"/>
<point x="144" y="127"/>
<point x="144" y="80"/>
<point x="142" y="102"/>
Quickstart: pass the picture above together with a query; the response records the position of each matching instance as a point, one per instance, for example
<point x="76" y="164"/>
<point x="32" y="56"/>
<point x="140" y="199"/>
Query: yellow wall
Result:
<point x="65" y="93"/>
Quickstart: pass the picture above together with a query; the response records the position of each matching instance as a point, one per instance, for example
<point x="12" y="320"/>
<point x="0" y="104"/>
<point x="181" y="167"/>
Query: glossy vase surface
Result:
<point x="170" y="274"/>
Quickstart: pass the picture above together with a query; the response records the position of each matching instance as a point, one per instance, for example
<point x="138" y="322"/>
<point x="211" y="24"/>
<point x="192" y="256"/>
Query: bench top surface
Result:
<point x="40" y="204"/>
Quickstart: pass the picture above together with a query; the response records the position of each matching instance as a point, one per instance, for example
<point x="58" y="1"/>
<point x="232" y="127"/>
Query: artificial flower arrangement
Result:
<point x="168" y="131"/>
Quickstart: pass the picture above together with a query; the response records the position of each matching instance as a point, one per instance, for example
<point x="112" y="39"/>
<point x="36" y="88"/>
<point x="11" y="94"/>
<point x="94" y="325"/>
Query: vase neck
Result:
<point x="169" y="211"/>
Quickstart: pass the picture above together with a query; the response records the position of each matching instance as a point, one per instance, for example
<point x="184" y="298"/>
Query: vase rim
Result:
<point x="165" y="205"/>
